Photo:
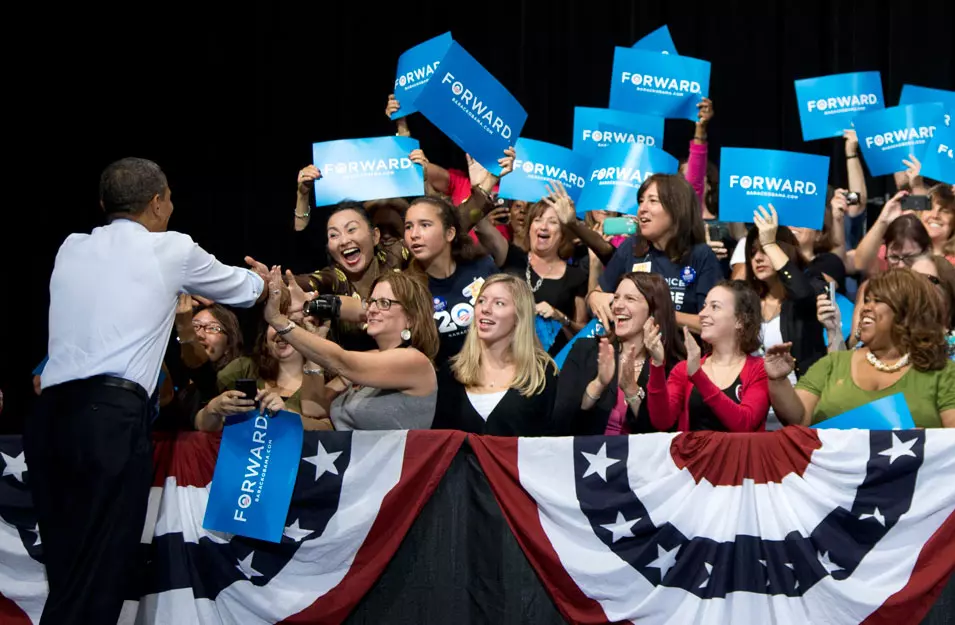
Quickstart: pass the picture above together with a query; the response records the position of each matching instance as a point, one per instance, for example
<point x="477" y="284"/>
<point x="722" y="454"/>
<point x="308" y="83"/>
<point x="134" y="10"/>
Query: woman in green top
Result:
<point x="904" y="351"/>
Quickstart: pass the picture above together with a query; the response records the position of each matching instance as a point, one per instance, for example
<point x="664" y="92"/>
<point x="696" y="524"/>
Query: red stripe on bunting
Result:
<point x="934" y="567"/>
<point x="190" y="456"/>
<point x="726" y="459"/>
<point x="498" y="458"/>
<point x="428" y="454"/>
<point x="11" y="614"/>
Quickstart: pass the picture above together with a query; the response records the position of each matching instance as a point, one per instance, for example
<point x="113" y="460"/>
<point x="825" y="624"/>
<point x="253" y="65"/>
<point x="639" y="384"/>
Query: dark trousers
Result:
<point x="89" y="455"/>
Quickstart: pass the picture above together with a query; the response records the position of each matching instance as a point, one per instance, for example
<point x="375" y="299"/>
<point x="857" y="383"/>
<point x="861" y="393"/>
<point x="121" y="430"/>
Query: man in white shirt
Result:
<point x="113" y="296"/>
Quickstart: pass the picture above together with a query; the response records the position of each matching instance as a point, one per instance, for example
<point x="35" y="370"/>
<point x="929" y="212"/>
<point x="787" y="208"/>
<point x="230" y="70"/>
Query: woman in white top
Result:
<point x="502" y="382"/>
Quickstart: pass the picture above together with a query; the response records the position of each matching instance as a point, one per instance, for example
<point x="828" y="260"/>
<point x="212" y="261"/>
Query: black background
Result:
<point x="229" y="99"/>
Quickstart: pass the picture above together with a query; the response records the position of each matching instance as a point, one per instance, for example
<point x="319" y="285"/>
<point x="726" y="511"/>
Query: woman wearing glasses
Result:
<point x="895" y="240"/>
<point x="279" y="372"/>
<point x="391" y="388"/>
<point x="209" y="340"/>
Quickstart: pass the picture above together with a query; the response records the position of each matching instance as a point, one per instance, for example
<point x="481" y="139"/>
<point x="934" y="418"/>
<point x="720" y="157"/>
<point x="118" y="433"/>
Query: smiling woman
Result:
<point x="393" y="387"/>
<point x="502" y="383"/>
<point x="904" y="351"/>
<point x="671" y="242"/>
<point x="357" y="257"/>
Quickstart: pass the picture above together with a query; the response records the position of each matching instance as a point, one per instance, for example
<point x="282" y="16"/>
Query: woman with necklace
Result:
<point x="559" y="289"/>
<point x="724" y="391"/>
<point x="904" y="351"/>
<point x="602" y="384"/>
<point x="502" y="382"/>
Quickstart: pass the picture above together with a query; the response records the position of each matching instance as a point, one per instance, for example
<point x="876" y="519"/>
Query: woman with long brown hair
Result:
<point x="602" y="384"/>
<point x="454" y="264"/>
<point x="776" y="271"/>
<point x="904" y="351"/>
<point x="671" y="242"/>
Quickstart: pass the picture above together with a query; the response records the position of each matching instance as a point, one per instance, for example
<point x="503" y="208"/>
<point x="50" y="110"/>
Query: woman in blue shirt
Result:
<point x="671" y="241"/>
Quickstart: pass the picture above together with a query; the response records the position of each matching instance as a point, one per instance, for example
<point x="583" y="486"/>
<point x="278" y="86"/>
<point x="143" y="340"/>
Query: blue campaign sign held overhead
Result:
<point x="616" y="173"/>
<point x="828" y="104"/>
<point x="538" y="163"/>
<point x="794" y="183"/>
<point x="658" y="84"/>
<point x="938" y="161"/>
<point x="415" y="69"/>
<point x="590" y="125"/>
<point x="366" y="169"/>
<point x="657" y="41"/>
<point x="254" y="476"/>
<point x="470" y="106"/>
<point x="888" y="137"/>
<point x="913" y="94"/>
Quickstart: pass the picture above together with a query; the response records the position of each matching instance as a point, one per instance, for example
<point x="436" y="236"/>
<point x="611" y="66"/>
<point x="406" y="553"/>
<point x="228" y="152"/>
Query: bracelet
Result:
<point x="291" y="326"/>
<point x="640" y="394"/>
<point x="305" y="216"/>
<point x="589" y="396"/>
<point x="848" y="156"/>
<point x="315" y="371"/>
<point x="186" y="342"/>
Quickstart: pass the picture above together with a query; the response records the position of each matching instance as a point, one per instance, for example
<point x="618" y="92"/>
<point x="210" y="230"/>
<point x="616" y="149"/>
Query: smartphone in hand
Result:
<point x="619" y="225"/>
<point x="248" y="387"/>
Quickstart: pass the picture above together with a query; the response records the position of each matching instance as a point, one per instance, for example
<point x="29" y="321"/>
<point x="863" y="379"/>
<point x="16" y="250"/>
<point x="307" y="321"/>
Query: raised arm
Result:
<point x="856" y="175"/>
<point x="303" y="207"/>
<point x="867" y="252"/>
<point x="203" y="275"/>
<point x="558" y="199"/>
<point x="405" y="370"/>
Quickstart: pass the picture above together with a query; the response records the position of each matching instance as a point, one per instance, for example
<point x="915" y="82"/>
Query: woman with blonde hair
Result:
<point x="502" y="382"/>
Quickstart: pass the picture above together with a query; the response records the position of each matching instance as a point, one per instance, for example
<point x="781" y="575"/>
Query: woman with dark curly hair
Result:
<point x="903" y="351"/>
<point x="725" y="390"/>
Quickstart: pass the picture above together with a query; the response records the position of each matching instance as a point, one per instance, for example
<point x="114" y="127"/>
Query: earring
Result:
<point x="406" y="335"/>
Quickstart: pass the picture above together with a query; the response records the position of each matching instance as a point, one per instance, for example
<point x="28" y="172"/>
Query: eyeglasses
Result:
<point x="383" y="303"/>
<point x="207" y="329"/>
<point x="898" y="259"/>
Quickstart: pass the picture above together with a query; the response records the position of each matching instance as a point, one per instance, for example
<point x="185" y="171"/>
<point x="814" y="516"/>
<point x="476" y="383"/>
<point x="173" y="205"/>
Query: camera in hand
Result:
<point x="323" y="307"/>
<point x="852" y="198"/>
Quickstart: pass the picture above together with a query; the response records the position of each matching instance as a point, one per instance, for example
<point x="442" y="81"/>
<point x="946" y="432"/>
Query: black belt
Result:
<point x="113" y="381"/>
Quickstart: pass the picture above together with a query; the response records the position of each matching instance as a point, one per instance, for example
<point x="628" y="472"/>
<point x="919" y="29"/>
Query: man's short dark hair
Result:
<point x="129" y="184"/>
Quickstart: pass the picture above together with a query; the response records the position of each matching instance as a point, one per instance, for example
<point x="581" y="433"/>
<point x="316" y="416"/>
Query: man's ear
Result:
<point x="155" y="205"/>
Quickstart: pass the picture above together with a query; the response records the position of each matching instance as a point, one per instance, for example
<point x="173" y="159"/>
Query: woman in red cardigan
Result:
<point x="725" y="391"/>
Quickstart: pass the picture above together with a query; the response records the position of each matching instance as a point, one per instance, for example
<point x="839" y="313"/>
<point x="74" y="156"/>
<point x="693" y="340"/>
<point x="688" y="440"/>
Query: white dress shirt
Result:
<point x="113" y="300"/>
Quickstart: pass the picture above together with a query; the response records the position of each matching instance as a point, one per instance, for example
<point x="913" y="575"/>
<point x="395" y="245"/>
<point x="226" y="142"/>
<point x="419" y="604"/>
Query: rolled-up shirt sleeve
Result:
<point x="204" y="275"/>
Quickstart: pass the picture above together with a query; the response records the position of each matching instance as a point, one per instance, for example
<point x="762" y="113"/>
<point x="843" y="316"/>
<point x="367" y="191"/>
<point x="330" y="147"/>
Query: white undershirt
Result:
<point x="772" y="334"/>
<point x="485" y="403"/>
